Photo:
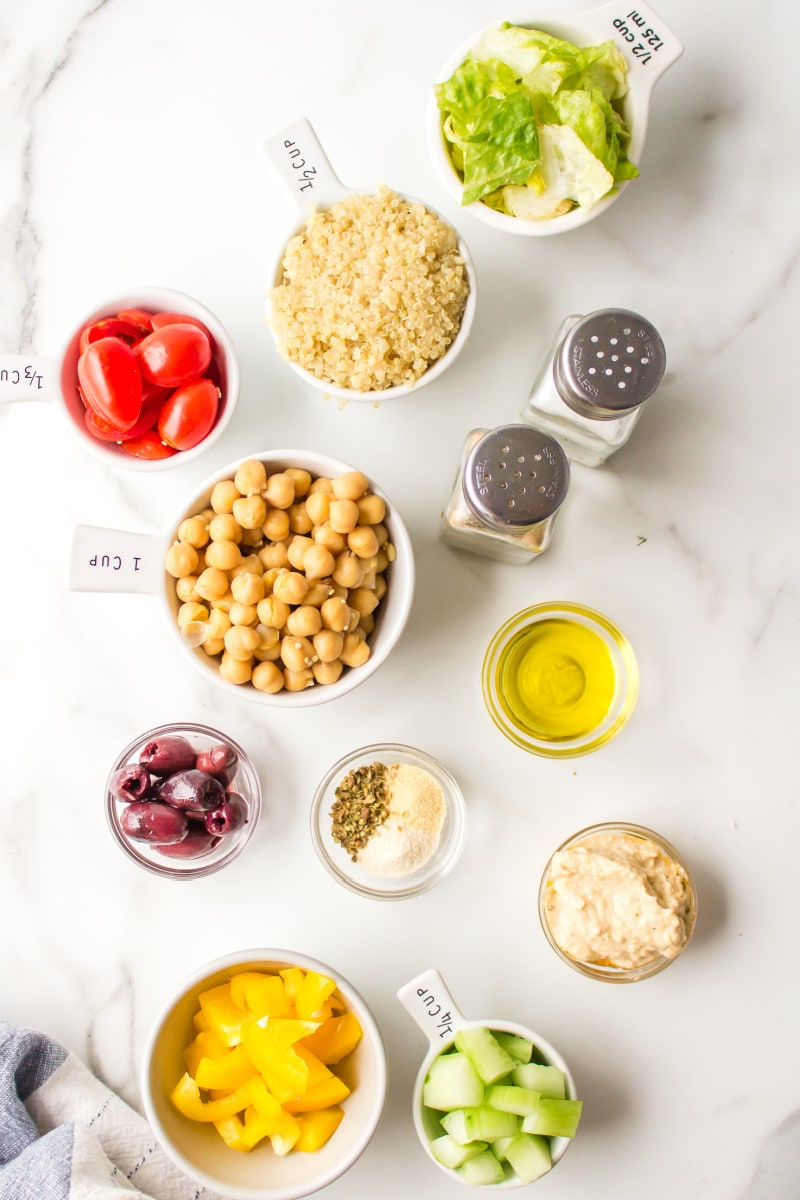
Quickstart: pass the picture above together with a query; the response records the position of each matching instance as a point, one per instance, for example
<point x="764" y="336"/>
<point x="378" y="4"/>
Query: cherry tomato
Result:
<point x="101" y="429"/>
<point x="147" y="445"/>
<point x="110" y="327"/>
<point x="174" y="355"/>
<point x="189" y="414"/>
<point x="138" y="317"/>
<point x="161" y="319"/>
<point x="108" y="372"/>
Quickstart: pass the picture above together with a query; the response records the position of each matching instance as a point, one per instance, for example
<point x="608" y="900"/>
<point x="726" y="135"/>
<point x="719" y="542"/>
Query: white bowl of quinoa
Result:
<point x="388" y="821"/>
<point x="373" y="297"/>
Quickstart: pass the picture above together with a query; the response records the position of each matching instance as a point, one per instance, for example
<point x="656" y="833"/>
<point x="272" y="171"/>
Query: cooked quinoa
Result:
<point x="373" y="292"/>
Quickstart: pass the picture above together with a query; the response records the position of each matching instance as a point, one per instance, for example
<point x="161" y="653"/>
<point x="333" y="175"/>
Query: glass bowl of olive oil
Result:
<point x="560" y="679"/>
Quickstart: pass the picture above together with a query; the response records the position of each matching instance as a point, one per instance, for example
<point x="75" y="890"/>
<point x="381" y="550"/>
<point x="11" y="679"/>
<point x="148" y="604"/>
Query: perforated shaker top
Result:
<point x="515" y="476"/>
<point x="609" y="363"/>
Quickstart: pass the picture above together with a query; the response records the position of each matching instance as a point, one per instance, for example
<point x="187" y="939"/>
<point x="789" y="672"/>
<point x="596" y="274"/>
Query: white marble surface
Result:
<point x="129" y="155"/>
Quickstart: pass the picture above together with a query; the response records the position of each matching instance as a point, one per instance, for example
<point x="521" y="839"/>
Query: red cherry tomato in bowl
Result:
<point x="167" y="318"/>
<point x="109" y="376"/>
<point x="189" y="414"/>
<point x="147" y="445"/>
<point x="174" y="355"/>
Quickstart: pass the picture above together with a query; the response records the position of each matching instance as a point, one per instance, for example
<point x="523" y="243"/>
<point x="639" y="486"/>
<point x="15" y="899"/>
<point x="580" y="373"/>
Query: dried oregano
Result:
<point x="361" y="805"/>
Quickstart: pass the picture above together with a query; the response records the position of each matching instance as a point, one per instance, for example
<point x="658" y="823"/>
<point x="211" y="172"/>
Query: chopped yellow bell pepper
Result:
<point x="292" y="978"/>
<point x="284" y="1071"/>
<point x="229" y="1072"/>
<point x="238" y="986"/>
<point x="312" y="995"/>
<point x="335" y="1038"/>
<point x="317" y="1127"/>
<point x="317" y="1071"/>
<point x="285" y="1136"/>
<point x="187" y="1099"/>
<point x="231" y="1130"/>
<point x="322" y="1095"/>
<point x="222" y="1013"/>
<point x="266" y="997"/>
<point x="205" y="1045"/>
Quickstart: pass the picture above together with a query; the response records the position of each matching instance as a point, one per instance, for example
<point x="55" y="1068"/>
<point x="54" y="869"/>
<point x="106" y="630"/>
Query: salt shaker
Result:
<point x="510" y="486"/>
<point x="594" y="382"/>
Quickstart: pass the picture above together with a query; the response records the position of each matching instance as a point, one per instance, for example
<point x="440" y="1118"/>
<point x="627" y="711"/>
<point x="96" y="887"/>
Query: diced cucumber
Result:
<point x="449" y="1153"/>
<point x="486" y="1054"/>
<point x="455" y="1124"/>
<point x="499" y="1146"/>
<point x="529" y="1155"/>
<point x="511" y="1099"/>
<point x="452" y="1082"/>
<point x="518" y="1047"/>
<point x="554" y="1118"/>
<point x="483" y="1169"/>
<point x="484" y="1124"/>
<point x="548" y="1081"/>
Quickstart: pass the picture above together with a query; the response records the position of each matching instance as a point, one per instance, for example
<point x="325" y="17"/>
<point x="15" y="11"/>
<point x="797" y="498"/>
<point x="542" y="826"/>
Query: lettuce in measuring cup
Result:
<point x="531" y="124"/>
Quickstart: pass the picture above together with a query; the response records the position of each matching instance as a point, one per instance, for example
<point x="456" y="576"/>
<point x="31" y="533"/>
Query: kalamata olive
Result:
<point x="192" y="791"/>
<point x="131" y="783"/>
<point x="197" y="843"/>
<point x="229" y="816"/>
<point x="150" y="821"/>
<point x="164" y="755"/>
<point x="219" y="761"/>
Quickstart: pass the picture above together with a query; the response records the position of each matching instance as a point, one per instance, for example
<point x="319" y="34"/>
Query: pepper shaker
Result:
<point x="510" y="486"/>
<point x="594" y="382"/>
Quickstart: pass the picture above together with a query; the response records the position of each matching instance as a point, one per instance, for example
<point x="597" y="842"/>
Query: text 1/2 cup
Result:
<point x="37" y="377"/>
<point x="428" y="1000"/>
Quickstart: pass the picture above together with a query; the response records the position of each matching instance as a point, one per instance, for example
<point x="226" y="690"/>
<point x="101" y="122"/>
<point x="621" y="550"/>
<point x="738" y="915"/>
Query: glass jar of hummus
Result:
<point x="617" y="902"/>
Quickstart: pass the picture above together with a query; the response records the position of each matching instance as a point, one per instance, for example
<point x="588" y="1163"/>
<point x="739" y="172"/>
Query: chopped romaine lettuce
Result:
<point x="530" y="122"/>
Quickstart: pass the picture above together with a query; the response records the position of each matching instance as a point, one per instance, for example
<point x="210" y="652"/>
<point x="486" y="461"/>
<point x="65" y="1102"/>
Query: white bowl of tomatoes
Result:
<point x="150" y="379"/>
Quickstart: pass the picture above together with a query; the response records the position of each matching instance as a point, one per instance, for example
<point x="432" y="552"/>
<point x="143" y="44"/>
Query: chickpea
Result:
<point x="235" y="670"/>
<point x="353" y="620"/>
<point x="299" y="520"/>
<point x="318" y="506"/>
<point x="369" y="578"/>
<point x="267" y="678"/>
<point x="223" y="495"/>
<point x="241" y="641"/>
<point x="185" y="589"/>
<point x="301" y="480"/>
<point x="350" y="486"/>
<point x="207" y="515"/>
<point x="224" y="528"/>
<point x="268" y="653"/>
<point x="274" y="556"/>
<point x="391" y="552"/>
<point x="250" y="511"/>
<point x="380" y="586"/>
<point x="269" y="637"/>
<point x="371" y="509"/>
<point x="191" y="612"/>
<point x="297" y="652"/>
<point x="327" y="672"/>
<point x="251" y="477"/>
<point x="348" y="570"/>
<point x="322" y="484"/>
<point x="355" y="651"/>
<point x="277" y="524"/>
<point x="291" y="587"/>
<point x="218" y="624"/>
<point x="252" y="539"/>
<point x="327" y="645"/>
<point x="270" y="576"/>
<point x="279" y="492"/>
<point x="363" y="542"/>
<point x="213" y="646"/>
<point x="212" y="584"/>
<point x="326" y="536"/>
<point x="363" y="600"/>
<point x="344" y="515"/>
<point x="304" y="621"/>
<point x="367" y="624"/>
<point x="297" y="551"/>
<point x="381" y="533"/>
<point x="297" y="681"/>
<point x="223" y="602"/>
<point x="381" y="560"/>
<point x="251" y="565"/>
<point x="242" y="614"/>
<point x="181" y="560"/>
<point x="335" y="614"/>
<point x="248" y="588"/>
<point x="272" y="611"/>
<point x="193" y="530"/>
<point x="318" y="593"/>
<point x="318" y="562"/>
<point x="223" y="555"/>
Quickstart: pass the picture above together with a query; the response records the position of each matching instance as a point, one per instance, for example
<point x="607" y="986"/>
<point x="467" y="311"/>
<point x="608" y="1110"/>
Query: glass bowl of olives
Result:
<point x="183" y="800"/>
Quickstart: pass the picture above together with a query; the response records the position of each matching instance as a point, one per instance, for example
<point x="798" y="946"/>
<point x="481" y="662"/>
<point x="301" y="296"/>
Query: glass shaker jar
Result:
<point x="510" y="486"/>
<point x="595" y="380"/>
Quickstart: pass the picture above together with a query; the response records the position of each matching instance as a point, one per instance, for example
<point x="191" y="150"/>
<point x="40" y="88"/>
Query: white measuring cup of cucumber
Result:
<point x="648" y="49"/>
<point x="297" y="158"/>
<point x="494" y="1103"/>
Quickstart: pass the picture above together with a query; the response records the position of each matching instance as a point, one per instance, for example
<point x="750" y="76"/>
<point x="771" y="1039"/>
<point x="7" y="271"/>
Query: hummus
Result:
<point x="616" y="900"/>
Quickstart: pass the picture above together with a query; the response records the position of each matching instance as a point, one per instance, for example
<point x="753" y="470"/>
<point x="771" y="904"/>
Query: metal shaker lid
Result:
<point x="609" y="363"/>
<point x="515" y="477"/>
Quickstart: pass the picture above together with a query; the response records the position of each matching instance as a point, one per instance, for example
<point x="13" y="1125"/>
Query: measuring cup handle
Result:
<point x="297" y="157"/>
<point x="429" y="1002"/>
<point x="650" y="48"/>
<point x="112" y="560"/>
<point x="27" y="377"/>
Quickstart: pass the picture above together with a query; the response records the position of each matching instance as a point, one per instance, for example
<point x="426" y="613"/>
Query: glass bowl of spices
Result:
<point x="388" y="821"/>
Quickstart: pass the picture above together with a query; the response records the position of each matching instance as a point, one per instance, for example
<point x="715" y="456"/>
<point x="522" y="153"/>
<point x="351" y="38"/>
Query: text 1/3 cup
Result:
<point x="110" y="560"/>
<point x="37" y="377"/>
<point x="427" y="999"/>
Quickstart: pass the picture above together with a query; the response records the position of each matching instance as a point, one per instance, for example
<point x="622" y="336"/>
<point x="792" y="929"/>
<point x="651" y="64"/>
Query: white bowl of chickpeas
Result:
<point x="289" y="578"/>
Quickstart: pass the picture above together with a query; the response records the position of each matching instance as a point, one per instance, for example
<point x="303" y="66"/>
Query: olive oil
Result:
<point x="556" y="680"/>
